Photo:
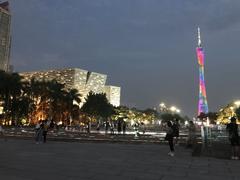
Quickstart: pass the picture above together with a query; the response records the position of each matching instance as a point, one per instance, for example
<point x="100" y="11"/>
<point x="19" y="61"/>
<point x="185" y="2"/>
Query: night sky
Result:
<point x="145" y="46"/>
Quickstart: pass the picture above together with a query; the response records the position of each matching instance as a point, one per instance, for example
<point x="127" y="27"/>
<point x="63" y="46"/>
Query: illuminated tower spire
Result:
<point x="202" y="102"/>
<point x="199" y="38"/>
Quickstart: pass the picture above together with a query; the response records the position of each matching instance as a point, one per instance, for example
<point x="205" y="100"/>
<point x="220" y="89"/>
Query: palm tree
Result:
<point x="38" y="92"/>
<point x="72" y="101"/>
<point x="4" y="94"/>
<point x="10" y="91"/>
<point x="55" y="97"/>
<point x="15" y="92"/>
<point x="97" y="105"/>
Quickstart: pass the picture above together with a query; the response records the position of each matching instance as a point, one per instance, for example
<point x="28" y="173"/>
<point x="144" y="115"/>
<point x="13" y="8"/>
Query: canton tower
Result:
<point x="202" y="102"/>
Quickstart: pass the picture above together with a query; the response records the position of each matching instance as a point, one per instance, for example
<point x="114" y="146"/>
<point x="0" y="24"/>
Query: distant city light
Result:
<point x="173" y="108"/>
<point x="162" y="105"/>
<point x="237" y="103"/>
<point x="170" y="109"/>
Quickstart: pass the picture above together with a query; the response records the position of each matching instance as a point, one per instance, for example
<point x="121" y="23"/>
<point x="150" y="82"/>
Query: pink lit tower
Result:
<point x="202" y="102"/>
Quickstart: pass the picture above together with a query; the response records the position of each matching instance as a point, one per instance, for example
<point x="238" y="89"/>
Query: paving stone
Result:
<point x="24" y="160"/>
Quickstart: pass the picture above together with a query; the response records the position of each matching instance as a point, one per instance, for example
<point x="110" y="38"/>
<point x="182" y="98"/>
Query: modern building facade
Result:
<point x="113" y="94"/>
<point x="5" y="38"/>
<point x="202" y="102"/>
<point x="75" y="78"/>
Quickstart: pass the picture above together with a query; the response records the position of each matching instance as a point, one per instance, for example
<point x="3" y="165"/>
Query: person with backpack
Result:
<point x="232" y="129"/>
<point x="176" y="127"/>
<point x="169" y="137"/>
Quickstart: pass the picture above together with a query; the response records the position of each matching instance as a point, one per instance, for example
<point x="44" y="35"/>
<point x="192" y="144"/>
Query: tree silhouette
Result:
<point x="97" y="105"/>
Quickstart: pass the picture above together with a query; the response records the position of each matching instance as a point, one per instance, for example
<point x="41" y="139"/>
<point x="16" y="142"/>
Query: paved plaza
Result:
<point x="25" y="160"/>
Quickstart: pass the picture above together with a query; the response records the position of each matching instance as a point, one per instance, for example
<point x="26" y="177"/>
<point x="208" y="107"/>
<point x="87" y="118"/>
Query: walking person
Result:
<point x="112" y="127"/>
<point x="232" y="129"/>
<point x="169" y="137"/>
<point x="124" y="127"/>
<point x="2" y="133"/>
<point x="45" y="130"/>
<point x="119" y="125"/>
<point x="88" y="127"/>
<point x="98" y="127"/>
<point x="176" y="127"/>
<point x="38" y="132"/>
<point x="107" y="125"/>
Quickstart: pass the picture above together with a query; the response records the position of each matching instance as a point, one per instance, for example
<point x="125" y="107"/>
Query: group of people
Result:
<point x="172" y="135"/>
<point x="41" y="130"/>
<point x="121" y="126"/>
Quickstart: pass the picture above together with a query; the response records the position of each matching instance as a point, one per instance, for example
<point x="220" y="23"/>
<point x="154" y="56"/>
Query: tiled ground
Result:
<point x="24" y="160"/>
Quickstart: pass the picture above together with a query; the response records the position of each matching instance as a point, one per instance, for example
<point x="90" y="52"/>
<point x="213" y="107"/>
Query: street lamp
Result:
<point x="178" y="110"/>
<point x="173" y="108"/>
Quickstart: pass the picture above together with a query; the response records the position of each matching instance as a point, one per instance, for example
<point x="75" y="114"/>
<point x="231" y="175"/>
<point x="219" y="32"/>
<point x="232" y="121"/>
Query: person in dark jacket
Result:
<point x="45" y="130"/>
<point x="124" y="126"/>
<point x="169" y="138"/>
<point x="232" y="129"/>
<point x="176" y="127"/>
<point x="39" y="132"/>
<point x="119" y="125"/>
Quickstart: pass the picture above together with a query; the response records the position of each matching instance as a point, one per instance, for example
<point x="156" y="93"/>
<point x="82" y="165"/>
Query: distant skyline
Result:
<point x="145" y="46"/>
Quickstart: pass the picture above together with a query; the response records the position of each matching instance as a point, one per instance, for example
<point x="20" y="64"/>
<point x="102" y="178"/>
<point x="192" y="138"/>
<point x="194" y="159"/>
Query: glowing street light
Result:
<point x="173" y="108"/>
<point x="178" y="110"/>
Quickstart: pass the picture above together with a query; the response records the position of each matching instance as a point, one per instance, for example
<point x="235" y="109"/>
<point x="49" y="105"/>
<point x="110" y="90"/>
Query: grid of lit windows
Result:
<point x="5" y="21"/>
<point x="113" y="94"/>
<point x="82" y="80"/>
